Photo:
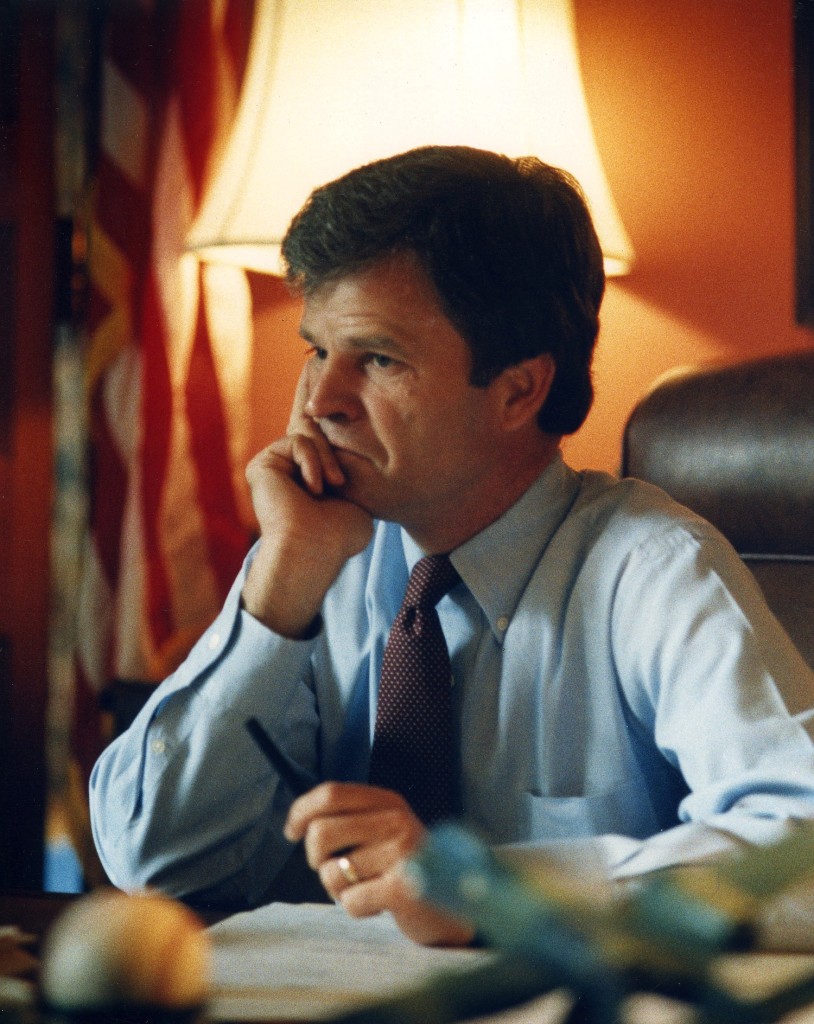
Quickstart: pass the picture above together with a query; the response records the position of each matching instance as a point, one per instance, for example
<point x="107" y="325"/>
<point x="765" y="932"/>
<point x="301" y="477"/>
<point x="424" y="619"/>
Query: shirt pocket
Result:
<point x="622" y="810"/>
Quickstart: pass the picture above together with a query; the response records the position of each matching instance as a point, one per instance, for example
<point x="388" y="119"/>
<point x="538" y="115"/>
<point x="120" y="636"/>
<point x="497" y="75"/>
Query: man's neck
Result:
<point x="489" y="503"/>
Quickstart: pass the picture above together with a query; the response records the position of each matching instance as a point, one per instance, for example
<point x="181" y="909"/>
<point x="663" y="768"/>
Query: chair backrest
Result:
<point x="736" y="445"/>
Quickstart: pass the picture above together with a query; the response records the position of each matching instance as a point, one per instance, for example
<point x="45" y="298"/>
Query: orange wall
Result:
<point x="692" y="106"/>
<point x="277" y="358"/>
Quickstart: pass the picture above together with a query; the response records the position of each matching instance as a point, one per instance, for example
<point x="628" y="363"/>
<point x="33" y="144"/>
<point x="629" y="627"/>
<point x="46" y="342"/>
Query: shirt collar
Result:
<point x="514" y="542"/>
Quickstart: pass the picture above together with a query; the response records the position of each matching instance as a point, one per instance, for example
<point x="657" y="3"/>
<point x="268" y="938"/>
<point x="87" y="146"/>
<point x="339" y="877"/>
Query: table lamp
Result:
<point x="331" y="85"/>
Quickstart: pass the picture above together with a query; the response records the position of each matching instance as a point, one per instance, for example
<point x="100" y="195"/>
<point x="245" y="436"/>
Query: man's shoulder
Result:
<point x="623" y="533"/>
<point x="628" y="496"/>
<point x="630" y="513"/>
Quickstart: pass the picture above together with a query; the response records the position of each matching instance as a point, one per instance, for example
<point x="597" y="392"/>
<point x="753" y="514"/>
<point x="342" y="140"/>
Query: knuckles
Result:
<point x="328" y="795"/>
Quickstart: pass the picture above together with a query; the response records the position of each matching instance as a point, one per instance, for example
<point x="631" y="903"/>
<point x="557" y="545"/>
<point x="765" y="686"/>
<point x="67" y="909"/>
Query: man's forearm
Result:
<point x="183" y="800"/>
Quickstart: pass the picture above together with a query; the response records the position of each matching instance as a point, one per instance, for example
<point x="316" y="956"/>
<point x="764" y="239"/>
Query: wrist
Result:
<point x="285" y="591"/>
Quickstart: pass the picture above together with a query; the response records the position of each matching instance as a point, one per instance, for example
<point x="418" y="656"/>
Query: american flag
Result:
<point x="168" y="354"/>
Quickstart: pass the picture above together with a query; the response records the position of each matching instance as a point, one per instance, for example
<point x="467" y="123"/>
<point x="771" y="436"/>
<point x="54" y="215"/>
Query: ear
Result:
<point x="523" y="388"/>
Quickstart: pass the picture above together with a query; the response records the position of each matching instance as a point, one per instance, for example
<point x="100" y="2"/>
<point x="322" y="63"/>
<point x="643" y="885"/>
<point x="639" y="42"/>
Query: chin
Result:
<point x="360" y="484"/>
<point x="359" y="497"/>
<point x="357" y="493"/>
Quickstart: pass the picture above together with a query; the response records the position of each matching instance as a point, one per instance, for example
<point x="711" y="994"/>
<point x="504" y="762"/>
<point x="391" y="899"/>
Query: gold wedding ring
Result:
<point x="348" y="871"/>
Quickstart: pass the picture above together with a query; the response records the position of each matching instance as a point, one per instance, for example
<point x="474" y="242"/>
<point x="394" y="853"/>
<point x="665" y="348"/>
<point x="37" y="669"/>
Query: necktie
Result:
<point x="413" y="747"/>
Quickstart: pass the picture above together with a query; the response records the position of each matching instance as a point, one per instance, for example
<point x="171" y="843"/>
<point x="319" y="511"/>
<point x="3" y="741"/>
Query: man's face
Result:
<point x="388" y="384"/>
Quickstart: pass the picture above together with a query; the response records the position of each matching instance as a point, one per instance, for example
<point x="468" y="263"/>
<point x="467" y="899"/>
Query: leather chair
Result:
<point x="736" y="445"/>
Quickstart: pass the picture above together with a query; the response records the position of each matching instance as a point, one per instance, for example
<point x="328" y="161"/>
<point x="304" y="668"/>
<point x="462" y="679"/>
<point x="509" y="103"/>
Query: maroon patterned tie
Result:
<point x="413" y="748"/>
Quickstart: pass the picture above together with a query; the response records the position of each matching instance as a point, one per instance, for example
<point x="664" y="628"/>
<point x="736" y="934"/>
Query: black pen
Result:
<point x="294" y="777"/>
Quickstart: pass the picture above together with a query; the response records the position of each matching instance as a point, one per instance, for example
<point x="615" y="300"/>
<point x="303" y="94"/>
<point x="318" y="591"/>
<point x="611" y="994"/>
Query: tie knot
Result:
<point x="431" y="578"/>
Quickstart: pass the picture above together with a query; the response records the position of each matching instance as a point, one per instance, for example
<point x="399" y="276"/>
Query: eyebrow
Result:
<point x="380" y="342"/>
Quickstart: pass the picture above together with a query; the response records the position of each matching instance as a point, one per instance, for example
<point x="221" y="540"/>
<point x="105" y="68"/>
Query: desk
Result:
<point x="32" y="912"/>
<point x="260" y="974"/>
<point x="287" y="962"/>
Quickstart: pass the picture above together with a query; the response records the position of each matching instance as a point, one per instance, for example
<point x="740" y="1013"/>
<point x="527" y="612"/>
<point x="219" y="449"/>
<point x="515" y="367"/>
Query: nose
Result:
<point x="332" y="392"/>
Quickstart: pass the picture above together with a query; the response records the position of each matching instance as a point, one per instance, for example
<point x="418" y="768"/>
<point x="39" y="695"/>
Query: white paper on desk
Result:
<point x="311" y="961"/>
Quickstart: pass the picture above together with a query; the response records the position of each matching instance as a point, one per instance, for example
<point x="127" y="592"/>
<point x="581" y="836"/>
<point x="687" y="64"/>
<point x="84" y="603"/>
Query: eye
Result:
<point x="382" y="361"/>
<point x="317" y="353"/>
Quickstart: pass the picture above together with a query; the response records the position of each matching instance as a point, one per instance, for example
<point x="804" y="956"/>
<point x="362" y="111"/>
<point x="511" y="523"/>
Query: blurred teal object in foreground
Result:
<point x="551" y="907"/>
<point x="663" y="936"/>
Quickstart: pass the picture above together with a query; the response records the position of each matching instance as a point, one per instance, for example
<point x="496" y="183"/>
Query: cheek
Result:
<point x="419" y="428"/>
<point x="395" y="418"/>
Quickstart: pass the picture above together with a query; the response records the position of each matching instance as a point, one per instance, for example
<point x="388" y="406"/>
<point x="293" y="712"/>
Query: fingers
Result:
<point x="339" y="874"/>
<point x="336" y="815"/>
<point x="358" y="837"/>
<point x="307" y="458"/>
<point x="310" y="449"/>
<point x="361" y="895"/>
<point x="315" y="460"/>
<point x="353" y="832"/>
<point x="363" y="879"/>
<point x="350" y="866"/>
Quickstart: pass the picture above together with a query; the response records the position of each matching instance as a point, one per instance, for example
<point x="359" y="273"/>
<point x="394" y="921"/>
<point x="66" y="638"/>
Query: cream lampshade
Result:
<point x="332" y="84"/>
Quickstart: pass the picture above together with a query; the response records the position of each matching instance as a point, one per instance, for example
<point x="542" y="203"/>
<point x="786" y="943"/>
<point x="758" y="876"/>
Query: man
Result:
<point x="617" y="679"/>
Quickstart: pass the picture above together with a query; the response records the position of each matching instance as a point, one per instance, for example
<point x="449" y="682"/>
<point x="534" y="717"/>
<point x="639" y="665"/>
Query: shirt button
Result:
<point x="158" y="746"/>
<point x="214" y="641"/>
<point x="503" y="623"/>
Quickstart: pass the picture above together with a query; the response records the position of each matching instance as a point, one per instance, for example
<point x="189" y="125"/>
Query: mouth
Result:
<point x="343" y="452"/>
<point x="349" y="452"/>
<point x="353" y="465"/>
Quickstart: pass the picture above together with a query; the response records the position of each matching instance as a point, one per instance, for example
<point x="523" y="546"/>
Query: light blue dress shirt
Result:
<point x="619" y="684"/>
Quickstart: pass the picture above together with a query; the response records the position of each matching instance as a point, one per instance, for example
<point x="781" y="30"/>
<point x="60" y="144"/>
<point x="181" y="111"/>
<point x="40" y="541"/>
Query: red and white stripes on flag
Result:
<point x="168" y="355"/>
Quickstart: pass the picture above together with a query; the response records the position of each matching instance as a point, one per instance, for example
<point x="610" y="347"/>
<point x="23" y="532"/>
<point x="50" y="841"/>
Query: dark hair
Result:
<point x="508" y="245"/>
